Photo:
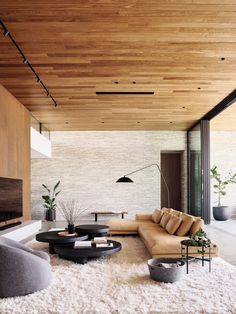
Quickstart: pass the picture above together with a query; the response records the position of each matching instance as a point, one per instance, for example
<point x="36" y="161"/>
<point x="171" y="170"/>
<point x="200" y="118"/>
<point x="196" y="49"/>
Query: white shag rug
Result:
<point x="120" y="284"/>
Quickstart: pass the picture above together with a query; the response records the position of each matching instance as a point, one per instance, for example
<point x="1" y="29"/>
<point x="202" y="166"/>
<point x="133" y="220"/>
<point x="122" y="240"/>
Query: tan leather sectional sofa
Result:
<point x="162" y="231"/>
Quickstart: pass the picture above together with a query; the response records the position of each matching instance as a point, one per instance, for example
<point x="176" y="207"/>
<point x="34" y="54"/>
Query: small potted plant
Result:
<point x="200" y="239"/>
<point x="50" y="201"/>
<point x="221" y="212"/>
<point x="71" y="211"/>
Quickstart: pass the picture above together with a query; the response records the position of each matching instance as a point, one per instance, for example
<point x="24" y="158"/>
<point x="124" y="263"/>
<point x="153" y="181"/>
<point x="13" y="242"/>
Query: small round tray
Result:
<point x="66" y="234"/>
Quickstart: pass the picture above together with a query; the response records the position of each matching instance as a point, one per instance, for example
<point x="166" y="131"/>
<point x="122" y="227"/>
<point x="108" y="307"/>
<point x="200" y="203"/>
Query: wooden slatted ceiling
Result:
<point x="174" y="48"/>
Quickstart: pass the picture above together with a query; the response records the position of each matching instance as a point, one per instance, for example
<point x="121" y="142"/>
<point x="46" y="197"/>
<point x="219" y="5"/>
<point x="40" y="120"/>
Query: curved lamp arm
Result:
<point x="126" y="179"/>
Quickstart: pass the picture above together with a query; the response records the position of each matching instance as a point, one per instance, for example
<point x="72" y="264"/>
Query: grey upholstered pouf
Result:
<point x="22" y="270"/>
<point x="166" y="269"/>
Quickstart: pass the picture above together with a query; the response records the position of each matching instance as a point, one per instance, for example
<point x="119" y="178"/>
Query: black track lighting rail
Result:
<point x="7" y="33"/>
<point x="125" y="93"/>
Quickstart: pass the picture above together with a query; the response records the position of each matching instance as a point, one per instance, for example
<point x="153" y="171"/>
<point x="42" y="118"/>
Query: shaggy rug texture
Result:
<point x="121" y="284"/>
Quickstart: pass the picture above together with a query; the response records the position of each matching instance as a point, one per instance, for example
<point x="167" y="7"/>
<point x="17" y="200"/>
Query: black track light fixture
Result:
<point x="6" y="32"/>
<point x="25" y="60"/>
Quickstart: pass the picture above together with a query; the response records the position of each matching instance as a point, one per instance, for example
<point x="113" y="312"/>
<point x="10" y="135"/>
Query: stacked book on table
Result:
<point x="102" y="242"/>
<point x="96" y="242"/>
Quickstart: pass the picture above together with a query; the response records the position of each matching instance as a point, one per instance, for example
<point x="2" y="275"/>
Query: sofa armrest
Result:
<point x="143" y="216"/>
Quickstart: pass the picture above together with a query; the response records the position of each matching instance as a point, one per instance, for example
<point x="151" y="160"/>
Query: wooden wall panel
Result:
<point x="15" y="144"/>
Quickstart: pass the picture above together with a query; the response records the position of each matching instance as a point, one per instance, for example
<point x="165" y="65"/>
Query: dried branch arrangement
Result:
<point x="71" y="211"/>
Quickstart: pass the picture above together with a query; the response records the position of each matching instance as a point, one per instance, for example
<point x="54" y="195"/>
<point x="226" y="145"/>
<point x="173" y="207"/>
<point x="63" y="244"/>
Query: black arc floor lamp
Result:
<point x="126" y="179"/>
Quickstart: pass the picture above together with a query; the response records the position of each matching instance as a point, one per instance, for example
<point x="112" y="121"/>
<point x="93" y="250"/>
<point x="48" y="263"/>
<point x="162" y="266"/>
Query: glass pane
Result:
<point x="195" y="171"/>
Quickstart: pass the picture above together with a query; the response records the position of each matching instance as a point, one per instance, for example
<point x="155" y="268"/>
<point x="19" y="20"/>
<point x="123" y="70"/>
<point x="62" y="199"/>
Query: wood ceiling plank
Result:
<point x="183" y="50"/>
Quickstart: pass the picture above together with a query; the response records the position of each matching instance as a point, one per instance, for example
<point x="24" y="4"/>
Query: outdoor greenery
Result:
<point x="221" y="183"/>
<point x="50" y="198"/>
<point x="200" y="239"/>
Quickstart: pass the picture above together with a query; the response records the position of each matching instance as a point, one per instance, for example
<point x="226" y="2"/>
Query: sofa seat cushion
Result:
<point x="123" y="225"/>
<point x="149" y="225"/>
<point x="150" y="233"/>
<point x="159" y="241"/>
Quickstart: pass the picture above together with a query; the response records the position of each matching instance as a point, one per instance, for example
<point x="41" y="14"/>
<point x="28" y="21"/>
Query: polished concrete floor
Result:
<point x="223" y="233"/>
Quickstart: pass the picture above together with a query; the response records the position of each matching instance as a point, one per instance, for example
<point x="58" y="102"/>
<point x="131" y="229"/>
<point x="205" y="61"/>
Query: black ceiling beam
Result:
<point x="221" y="106"/>
<point x="6" y="33"/>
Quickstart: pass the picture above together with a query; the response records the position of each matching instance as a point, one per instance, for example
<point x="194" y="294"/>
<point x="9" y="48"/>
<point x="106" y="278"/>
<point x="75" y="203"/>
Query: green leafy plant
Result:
<point x="50" y="198"/>
<point x="221" y="184"/>
<point x="200" y="239"/>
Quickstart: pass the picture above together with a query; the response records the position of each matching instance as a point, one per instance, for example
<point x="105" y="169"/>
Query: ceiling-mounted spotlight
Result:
<point x="25" y="61"/>
<point x="6" y="32"/>
<point x="38" y="80"/>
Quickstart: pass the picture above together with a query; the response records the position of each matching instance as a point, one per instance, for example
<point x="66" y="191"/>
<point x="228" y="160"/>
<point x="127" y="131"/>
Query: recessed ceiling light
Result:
<point x="199" y="88"/>
<point x="134" y="82"/>
<point x="116" y="82"/>
<point x="66" y="122"/>
<point x="222" y="58"/>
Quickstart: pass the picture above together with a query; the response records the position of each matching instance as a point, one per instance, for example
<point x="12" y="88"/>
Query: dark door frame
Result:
<point x="205" y="153"/>
<point x="180" y="156"/>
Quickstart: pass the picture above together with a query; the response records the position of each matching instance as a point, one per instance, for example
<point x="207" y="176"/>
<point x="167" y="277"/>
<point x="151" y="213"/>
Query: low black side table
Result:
<point x="52" y="238"/>
<point x="92" y="230"/>
<point x="204" y="251"/>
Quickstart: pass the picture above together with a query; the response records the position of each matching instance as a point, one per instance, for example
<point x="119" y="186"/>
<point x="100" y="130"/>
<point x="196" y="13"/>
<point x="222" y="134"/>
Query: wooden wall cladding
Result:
<point x="182" y="50"/>
<point x="15" y="144"/>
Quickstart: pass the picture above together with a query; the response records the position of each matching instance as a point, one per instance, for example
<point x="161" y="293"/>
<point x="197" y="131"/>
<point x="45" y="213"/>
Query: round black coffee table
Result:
<point x="53" y="239"/>
<point x="92" y="230"/>
<point x="80" y="255"/>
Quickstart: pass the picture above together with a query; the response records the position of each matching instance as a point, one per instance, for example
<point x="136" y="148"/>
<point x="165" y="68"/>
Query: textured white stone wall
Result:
<point x="223" y="154"/>
<point x="89" y="163"/>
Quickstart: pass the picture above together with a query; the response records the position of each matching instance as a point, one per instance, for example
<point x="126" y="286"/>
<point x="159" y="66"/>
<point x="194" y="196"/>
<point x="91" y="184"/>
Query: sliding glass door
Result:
<point x="199" y="170"/>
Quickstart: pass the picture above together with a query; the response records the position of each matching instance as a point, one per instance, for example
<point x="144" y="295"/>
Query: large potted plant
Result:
<point x="50" y="201"/>
<point x="221" y="212"/>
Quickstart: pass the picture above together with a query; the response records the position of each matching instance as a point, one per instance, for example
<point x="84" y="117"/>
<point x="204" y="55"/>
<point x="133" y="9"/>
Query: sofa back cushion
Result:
<point x="173" y="224"/>
<point x="197" y="225"/>
<point x="166" y="210"/>
<point x="164" y="219"/>
<point x="176" y="212"/>
<point x="186" y="225"/>
<point x="156" y="216"/>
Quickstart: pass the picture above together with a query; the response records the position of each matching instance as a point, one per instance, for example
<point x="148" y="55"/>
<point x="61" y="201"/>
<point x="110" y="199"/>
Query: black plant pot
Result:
<point x="50" y="215"/>
<point x="222" y="213"/>
<point x="71" y="229"/>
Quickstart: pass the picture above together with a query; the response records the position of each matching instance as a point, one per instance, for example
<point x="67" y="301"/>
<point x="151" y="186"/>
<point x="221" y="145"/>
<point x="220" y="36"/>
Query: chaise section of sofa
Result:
<point x="162" y="231"/>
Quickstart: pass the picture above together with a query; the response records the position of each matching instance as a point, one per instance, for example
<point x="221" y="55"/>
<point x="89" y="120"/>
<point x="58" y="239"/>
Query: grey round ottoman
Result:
<point x="166" y="269"/>
<point x="22" y="270"/>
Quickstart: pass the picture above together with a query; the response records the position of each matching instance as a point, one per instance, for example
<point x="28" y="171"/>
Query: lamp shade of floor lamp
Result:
<point x="126" y="179"/>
